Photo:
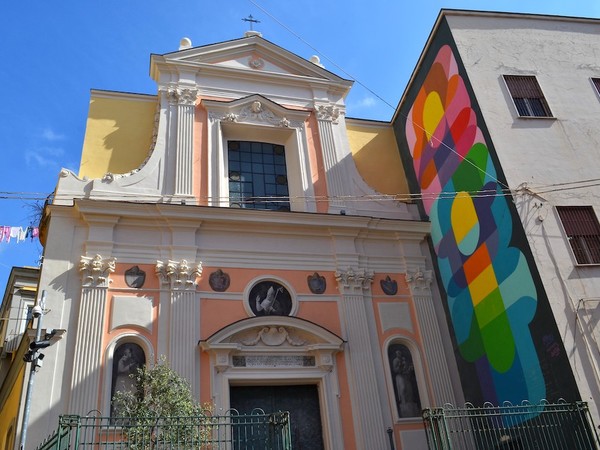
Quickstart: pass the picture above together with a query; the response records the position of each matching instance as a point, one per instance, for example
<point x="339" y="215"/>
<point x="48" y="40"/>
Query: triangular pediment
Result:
<point x="252" y="54"/>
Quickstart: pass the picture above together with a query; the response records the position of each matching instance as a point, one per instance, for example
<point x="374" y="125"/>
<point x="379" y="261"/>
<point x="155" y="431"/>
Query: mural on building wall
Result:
<point x="499" y="314"/>
<point x="406" y="391"/>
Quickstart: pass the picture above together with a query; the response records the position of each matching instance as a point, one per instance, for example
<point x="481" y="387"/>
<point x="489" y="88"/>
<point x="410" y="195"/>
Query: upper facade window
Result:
<point x="583" y="231"/>
<point x="596" y="82"/>
<point x="257" y="176"/>
<point x="527" y="96"/>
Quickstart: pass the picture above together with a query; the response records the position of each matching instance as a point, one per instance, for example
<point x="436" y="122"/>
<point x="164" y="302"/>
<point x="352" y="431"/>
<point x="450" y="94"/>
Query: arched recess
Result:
<point x="278" y="350"/>
<point x="109" y="363"/>
<point x="404" y="370"/>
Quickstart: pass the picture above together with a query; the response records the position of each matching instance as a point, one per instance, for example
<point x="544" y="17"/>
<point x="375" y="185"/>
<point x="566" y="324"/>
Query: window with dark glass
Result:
<point x="257" y="176"/>
<point x="527" y="96"/>
<point x="583" y="232"/>
<point x="596" y="82"/>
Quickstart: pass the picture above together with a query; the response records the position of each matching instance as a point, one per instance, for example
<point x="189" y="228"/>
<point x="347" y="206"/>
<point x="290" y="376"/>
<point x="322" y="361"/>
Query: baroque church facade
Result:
<point x="238" y="224"/>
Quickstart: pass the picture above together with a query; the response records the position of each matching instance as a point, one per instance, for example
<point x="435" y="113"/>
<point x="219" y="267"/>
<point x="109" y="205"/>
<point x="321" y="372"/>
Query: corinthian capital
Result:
<point x="180" y="275"/>
<point x="328" y="112"/>
<point x="356" y="280"/>
<point x="182" y="96"/>
<point x="419" y="280"/>
<point x="96" y="270"/>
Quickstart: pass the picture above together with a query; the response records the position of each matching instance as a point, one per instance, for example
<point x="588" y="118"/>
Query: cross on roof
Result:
<point x="252" y="21"/>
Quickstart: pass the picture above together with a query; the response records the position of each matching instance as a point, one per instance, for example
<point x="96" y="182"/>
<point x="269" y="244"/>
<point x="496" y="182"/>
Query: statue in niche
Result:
<point x="269" y="298"/>
<point x="127" y="359"/>
<point x="406" y="390"/>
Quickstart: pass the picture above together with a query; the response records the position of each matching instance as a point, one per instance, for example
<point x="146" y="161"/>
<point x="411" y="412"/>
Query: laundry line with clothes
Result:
<point x="18" y="234"/>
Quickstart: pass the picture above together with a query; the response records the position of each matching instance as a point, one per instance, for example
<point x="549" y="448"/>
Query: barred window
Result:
<point x="583" y="232"/>
<point x="527" y="96"/>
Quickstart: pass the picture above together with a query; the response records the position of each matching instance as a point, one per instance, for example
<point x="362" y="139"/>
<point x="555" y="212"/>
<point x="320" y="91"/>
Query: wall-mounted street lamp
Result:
<point x="36" y="357"/>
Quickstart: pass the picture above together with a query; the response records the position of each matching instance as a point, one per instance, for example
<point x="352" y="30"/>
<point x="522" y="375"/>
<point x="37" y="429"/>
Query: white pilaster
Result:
<point x="186" y="103"/>
<point x="419" y="282"/>
<point x="355" y="287"/>
<point x="184" y="313"/>
<point x="327" y="116"/>
<point x="88" y="355"/>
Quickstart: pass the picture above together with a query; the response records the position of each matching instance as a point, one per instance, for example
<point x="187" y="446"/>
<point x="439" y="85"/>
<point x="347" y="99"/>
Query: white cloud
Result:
<point x="44" y="156"/>
<point x="366" y="102"/>
<point x="50" y="135"/>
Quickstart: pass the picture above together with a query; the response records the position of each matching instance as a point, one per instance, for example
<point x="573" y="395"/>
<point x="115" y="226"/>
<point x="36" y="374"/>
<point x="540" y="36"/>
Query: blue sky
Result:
<point x="53" y="53"/>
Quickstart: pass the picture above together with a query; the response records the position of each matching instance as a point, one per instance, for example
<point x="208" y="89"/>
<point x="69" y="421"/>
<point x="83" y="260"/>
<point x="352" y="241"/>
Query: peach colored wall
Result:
<point x="200" y="172"/>
<point x="404" y="296"/>
<point x="317" y="167"/>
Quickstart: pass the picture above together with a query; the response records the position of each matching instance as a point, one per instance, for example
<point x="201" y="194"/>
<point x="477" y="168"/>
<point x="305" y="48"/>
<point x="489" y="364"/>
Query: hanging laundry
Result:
<point x="20" y="234"/>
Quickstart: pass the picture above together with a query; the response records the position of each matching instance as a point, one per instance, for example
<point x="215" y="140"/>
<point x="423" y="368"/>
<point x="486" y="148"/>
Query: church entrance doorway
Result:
<point x="302" y="402"/>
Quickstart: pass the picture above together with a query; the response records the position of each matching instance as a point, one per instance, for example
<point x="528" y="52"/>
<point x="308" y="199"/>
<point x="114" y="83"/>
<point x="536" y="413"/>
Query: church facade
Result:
<point x="238" y="224"/>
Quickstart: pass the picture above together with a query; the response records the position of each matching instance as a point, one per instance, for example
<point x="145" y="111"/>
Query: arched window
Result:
<point x="128" y="357"/>
<point x="406" y="390"/>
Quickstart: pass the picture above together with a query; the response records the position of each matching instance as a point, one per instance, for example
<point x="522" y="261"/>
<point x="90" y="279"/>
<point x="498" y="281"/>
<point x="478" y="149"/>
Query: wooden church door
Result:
<point x="302" y="402"/>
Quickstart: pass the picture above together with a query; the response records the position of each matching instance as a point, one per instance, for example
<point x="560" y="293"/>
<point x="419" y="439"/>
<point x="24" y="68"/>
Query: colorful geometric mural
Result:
<point x="491" y="294"/>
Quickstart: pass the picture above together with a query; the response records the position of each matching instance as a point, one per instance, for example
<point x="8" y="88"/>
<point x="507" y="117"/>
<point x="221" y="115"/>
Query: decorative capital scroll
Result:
<point x="273" y="337"/>
<point x="96" y="271"/>
<point x="419" y="280"/>
<point x="180" y="275"/>
<point x="182" y="96"/>
<point x="328" y="112"/>
<point x="351" y="279"/>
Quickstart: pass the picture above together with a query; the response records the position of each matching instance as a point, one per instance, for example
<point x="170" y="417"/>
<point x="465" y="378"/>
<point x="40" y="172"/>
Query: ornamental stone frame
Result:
<point x="278" y="350"/>
<point x="256" y="118"/>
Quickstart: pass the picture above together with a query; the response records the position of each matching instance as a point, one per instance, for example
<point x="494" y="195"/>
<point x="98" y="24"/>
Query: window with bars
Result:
<point x="583" y="232"/>
<point x="527" y="96"/>
<point x="257" y="176"/>
<point x="596" y="82"/>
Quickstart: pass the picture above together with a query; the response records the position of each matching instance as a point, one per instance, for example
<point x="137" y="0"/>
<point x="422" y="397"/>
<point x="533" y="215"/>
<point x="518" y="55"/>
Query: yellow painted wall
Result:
<point x="377" y="158"/>
<point x="10" y="409"/>
<point x="118" y="133"/>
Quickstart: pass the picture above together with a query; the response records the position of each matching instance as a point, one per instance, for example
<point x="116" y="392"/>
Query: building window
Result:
<point x="527" y="96"/>
<point x="128" y="358"/>
<point x="406" y="390"/>
<point x="583" y="232"/>
<point x="596" y="83"/>
<point x="257" y="176"/>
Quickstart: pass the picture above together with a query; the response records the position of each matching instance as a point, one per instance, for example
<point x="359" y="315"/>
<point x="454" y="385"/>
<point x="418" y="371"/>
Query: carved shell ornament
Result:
<point x="273" y="337"/>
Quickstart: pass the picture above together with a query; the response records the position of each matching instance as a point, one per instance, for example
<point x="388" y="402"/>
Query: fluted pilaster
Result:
<point x="184" y="313"/>
<point x="88" y="341"/>
<point x="327" y="116"/>
<point x="355" y="287"/>
<point x="419" y="282"/>
<point x="185" y="99"/>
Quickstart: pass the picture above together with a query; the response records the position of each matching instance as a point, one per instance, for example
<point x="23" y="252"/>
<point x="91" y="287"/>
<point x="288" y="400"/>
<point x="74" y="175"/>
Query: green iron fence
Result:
<point x="256" y="431"/>
<point x="546" y="426"/>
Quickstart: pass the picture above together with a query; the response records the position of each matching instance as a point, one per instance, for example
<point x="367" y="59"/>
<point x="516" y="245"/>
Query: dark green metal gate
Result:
<point x="546" y="426"/>
<point x="227" y="432"/>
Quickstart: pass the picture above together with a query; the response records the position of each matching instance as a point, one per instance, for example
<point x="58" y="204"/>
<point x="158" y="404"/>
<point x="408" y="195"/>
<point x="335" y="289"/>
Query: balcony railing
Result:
<point x="257" y="431"/>
<point x="546" y="426"/>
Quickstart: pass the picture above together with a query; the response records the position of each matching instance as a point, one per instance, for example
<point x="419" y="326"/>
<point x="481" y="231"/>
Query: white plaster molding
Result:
<point x="350" y="279"/>
<point x="96" y="271"/>
<point x="179" y="275"/>
<point x="273" y="336"/>
<point x="255" y="112"/>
